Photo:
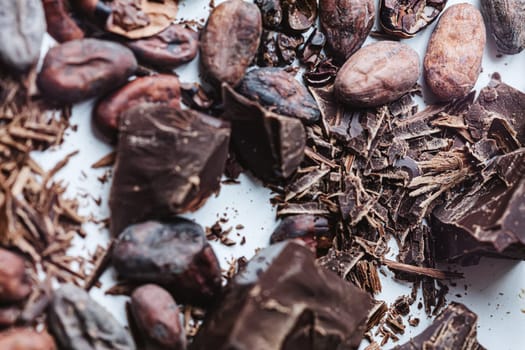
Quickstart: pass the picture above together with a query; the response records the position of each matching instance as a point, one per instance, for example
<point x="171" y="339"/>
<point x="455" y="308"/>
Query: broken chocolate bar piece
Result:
<point x="168" y="161"/>
<point x="270" y="145"/>
<point x="283" y="300"/>
<point x="498" y="101"/>
<point x="454" y="328"/>
<point x="489" y="218"/>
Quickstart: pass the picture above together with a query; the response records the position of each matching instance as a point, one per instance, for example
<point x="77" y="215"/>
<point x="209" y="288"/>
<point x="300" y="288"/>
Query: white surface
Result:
<point x="495" y="288"/>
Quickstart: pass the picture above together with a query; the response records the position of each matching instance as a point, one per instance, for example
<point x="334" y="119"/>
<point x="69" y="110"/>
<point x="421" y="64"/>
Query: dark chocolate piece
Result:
<point x="454" y="328"/>
<point x="489" y="218"/>
<point x="282" y="301"/>
<point x="268" y="144"/>
<point x="168" y="161"/>
<point x="175" y="255"/>
<point x="497" y="101"/>
<point x="313" y="230"/>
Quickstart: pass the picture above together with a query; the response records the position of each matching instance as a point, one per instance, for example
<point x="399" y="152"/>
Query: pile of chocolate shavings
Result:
<point x="378" y="174"/>
<point x="35" y="216"/>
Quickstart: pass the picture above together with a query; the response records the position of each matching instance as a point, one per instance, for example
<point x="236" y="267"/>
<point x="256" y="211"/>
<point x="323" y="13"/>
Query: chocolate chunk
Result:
<point x="489" y="218"/>
<point x="175" y="255"/>
<point x="454" y="328"/>
<point x="278" y="91"/>
<point x="284" y="300"/>
<point x="313" y="230"/>
<point x="80" y="323"/>
<point x="497" y="101"/>
<point x="268" y="144"/>
<point x="168" y="161"/>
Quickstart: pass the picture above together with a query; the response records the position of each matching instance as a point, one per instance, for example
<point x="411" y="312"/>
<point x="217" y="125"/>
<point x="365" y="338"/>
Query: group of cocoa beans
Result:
<point x="172" y="261"/>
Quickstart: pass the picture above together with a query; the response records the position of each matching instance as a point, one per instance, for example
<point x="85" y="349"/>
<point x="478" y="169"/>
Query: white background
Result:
<point x="495" y="289"/>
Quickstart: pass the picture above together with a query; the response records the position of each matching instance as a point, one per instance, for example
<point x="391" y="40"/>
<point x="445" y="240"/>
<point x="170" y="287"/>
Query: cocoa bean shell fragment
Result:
<point x="230" y="40"/>
<point x="278" y="91"/>
<point x="506" y="22"/>
<point x="377" y="74"/>
<point x="169" y="161"/>
<point x="79" y="323"/>
<point x="346" y="24"/>
<point x="405" y="19"/>
<point x="300" y="15"/>
<point x="173" y="254"/>
<point x="23" y="26"/>
<point x="161" y="89"/>
<point x="157" y="316"/>
<point x="81" y="69"/>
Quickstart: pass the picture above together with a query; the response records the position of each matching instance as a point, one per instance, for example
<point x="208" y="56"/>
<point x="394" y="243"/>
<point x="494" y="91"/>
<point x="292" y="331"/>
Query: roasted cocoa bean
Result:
<point x="405" y="19"/>
<point x="158" y="318"/>
<point x="80" y="323"/>
<point x="230" y="40"/>
<point x="162" y="89"/>
<point x="23" y="26"/>
<point x="81" y="69"/>
<point x="15" y="284"/>
<point x="175" y="255"/>
<point x="346" y="24"/>
<point x="453" y="59"/>
<point x="167" y="50"/>
<point x="26" y="339"/>
<point x="506" y="22"/>
<point x="280" y="92"/>
<point x="377" y="74"/>
<point x="9" y="315"/>
<point x="60" y="25"/>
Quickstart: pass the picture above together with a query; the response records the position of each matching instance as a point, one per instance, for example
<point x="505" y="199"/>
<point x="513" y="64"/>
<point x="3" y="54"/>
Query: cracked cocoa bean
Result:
<point x="167" y="50"/>
<point x="26" y="339"/>
<point x="230" y="40"/>
<point x="175" y="255"/>
<point x="162" y="89"/>
<point x="281" y="93"/>
<point x="157" y="317"/>
<point x="15" y="284"/>
<point x="23" y="26"/>
<point x="81" y="69"/>
<point x="80" y="323"/>
<point x="346" y="24"/>
<point x="377" y="74"/>
<point x="453" y="61"/>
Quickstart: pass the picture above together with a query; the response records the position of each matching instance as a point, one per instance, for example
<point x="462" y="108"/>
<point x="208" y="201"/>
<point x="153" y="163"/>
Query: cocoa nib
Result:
<point x="454" y="328"/>
<point x="174" y="254"/>
<point x="283" y="300"/>
<point x="168" y="161"/>
<point x="268" y="144"/>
